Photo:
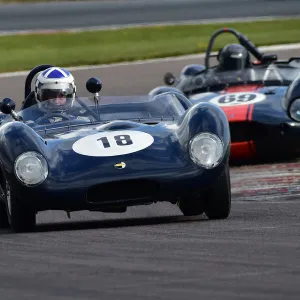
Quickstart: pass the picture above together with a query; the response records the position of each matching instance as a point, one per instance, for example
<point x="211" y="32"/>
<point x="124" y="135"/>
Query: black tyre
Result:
<point x="217" y="199"/>
<point x="20" y="217"/>
<point x="3" y="216"/>
<point x="191" y="206"/>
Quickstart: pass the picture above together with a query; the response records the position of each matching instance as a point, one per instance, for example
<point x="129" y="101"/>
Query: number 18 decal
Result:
<point x="113" y="143"/>
<point x="120" y="140"/>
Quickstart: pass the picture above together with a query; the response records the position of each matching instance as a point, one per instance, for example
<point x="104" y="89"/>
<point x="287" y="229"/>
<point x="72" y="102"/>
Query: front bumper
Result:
<point x="120" y="193"/>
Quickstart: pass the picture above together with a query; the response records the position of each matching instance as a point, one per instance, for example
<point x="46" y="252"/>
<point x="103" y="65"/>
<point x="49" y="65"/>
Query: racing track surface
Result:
<point x="154" y="251"/>
<point x="111" y="12"/>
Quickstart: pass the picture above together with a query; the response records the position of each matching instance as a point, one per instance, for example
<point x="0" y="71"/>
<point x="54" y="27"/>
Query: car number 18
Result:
<point x="111" y="143"/>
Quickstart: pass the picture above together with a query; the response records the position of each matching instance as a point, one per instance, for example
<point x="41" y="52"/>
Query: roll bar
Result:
<point x="243" y="41"/>
<point x="30" y="76"/>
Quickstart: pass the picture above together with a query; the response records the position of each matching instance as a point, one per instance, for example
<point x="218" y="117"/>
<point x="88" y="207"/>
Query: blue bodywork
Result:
<point x="163" y="171"/>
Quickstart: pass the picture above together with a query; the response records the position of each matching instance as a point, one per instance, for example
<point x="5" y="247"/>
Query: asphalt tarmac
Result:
<point x="62" y="15"/>
<point x="153" y="252"/>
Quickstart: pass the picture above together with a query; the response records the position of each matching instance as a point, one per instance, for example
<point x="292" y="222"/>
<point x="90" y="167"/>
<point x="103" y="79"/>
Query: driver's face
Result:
<point x="55" y="96"/>
<point x="59" y="100"/>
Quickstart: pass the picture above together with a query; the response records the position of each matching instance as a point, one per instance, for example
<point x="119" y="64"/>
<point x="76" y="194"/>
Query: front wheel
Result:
<point x="217" y="199"/>
<point x="21" y="218"/>
<point x="191" y="206"/>
<point x="3" y="216"/>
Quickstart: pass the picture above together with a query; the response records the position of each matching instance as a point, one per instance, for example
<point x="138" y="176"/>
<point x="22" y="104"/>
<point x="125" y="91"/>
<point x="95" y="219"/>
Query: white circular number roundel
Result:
<point x="238" y="99"/>
<point x="113" y="143"/>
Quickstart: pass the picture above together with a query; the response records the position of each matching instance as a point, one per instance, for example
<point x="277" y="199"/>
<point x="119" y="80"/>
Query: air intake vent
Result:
<point x="137" y="189"/>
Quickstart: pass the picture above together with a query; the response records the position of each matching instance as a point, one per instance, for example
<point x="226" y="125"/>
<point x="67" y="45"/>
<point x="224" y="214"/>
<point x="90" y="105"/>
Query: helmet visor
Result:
<point x="59" y="99"/>
<point x="234" y="64"/>
<point x="63" y="93"/>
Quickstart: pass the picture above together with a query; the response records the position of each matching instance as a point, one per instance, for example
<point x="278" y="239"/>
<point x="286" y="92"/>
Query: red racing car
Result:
<point x="261" y="99"/>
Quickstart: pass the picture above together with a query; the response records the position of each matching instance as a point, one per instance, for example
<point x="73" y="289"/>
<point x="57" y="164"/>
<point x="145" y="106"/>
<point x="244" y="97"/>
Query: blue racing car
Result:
<point x="108" y="153"/>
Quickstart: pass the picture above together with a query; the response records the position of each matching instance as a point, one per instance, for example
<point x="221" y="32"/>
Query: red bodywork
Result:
<point x="241" y="113"/>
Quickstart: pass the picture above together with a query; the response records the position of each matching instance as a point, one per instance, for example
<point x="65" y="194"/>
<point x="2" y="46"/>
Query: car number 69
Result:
<point x="233" y="99"/>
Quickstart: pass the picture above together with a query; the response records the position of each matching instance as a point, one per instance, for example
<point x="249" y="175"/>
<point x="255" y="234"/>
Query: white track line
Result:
<point x="157" y="60"/>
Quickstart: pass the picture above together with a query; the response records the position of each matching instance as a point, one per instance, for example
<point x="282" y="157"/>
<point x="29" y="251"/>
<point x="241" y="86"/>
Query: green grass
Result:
<point x="23" y="52"/>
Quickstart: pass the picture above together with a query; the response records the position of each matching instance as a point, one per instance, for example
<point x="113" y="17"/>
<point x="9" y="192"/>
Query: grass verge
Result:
<point x="22" y="52"/>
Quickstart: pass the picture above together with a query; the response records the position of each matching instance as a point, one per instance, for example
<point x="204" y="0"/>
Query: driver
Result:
<point x="55" y="89"/>
<point x="234" y="67"/>
<point x="55" y="93"/>
<point x="234" y="57"/>
<point x="234" y="64"/>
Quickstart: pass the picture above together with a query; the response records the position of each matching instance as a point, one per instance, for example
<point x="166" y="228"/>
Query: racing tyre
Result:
<point x="3" y="217"/>
<point x="20" y="217"/>
<point x="217" y="199"/>
<point x="191" y="206"/>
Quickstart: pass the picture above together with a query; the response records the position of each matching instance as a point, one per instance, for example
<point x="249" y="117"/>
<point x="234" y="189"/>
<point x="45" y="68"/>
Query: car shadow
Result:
<point x="107" y="224"/>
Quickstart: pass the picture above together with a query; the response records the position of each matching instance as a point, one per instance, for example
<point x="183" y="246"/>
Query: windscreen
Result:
<point x="84" y="110"/>
<point x="212" y="78"/>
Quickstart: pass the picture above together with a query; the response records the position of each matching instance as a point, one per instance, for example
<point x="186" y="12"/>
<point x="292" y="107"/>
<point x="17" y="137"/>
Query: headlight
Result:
<point x="295" y="110"/>
<point x="31" y="168"/>
<point x="206" y="150"/>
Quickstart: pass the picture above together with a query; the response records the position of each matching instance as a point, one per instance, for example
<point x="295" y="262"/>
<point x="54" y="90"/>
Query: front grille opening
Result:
<point x="137" y="189"/>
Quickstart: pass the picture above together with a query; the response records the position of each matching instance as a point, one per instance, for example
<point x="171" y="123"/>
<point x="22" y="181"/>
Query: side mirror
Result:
<point x="7" y="106"/>
<point x="269" y="58"/>
<point x="169" y="78"/>
<point x="94" y="85"/>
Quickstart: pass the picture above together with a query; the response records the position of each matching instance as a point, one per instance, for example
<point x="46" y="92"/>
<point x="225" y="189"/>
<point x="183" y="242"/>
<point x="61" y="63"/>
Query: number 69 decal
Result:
<point x="113" y="143"/>
<point x="234" y="99"/>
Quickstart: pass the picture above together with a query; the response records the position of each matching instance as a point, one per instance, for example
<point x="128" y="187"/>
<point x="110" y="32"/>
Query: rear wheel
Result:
<point x="20" y="217"/>
<point x="217" y="199"/>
